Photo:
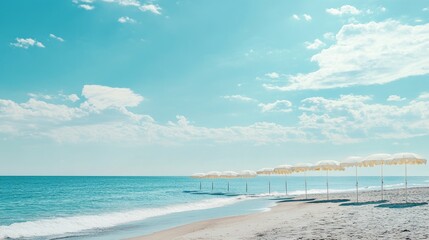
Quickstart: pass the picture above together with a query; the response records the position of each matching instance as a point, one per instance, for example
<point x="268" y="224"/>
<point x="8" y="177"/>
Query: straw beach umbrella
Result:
<point x="228" y="175"/>
<point x="284" y="169"/>
<point x="213" y="175"/>
<point x="304" y="168"/>
<point x="374" y="160"/>
<point x="266" y="171"/>
<point x="247" y="174"/>
<point x="405" y="159"/>
<point x="198" y="176"/>
<point x="328" y="165"/>
<point x="356" y="162"/>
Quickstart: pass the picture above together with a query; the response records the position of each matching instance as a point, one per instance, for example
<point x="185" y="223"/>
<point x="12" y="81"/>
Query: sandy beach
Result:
<point x="339" y="218"/>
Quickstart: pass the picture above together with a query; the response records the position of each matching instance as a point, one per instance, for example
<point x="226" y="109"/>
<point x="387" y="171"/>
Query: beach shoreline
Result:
<point x="338" y="218"/>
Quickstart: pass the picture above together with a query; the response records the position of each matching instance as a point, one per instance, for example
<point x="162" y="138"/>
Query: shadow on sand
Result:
<point x="281" y="198"/>
<point x="232" y="195"/>
<point x="189" y="191"/>
<point x="297" y="200"/>
<point x="363" y="203"/>
<point x="330" y="201"/>
<point x="207" y="193"/>
<point x="401" y="205"/>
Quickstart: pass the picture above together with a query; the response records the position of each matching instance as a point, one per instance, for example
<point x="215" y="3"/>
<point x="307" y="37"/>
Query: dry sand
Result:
<point x="321" y="219"/>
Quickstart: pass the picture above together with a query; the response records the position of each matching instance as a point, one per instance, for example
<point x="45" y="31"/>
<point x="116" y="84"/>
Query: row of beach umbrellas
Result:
<point x="225" y="175"/>
<point x="373" y="160"/>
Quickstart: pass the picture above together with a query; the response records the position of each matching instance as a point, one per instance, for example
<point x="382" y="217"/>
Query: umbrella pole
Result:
<point x="286" y="183"/>
<point x="269" y="187"/>
<point x="327" y="185"/>
<point x="382" y="183"/>
<point x="228" y="186"/>
<point x="212" y="186"/>
<point x="305" y="183"/>
<point x="200" y="185"/>
<point x="406" y="184"/>
<point x="246" y="186"/>
<point x="357" y="185"/>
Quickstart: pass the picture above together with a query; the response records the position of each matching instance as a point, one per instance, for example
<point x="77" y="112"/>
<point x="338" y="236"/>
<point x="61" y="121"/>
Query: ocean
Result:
<point x="123" y="207"/>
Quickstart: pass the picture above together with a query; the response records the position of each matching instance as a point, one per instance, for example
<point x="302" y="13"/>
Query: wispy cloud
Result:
<point x="329" y="36"/>
<point x="316" y="44"/>
<point x="277" y="106"/>
<point x="344" y="10"/>
<point x="126" y="20"/>
<point x="239" y="98"/>
<point x="104" y="117"/>
<point x="56" y="37"/>
<point x="395" y="98"/>
<point x="125" y="2"/>
<point x="306" y="17"/>
<point x="148" y="7"/>
<point x="72" y="97"/>
<point x="424" y="95"/>
<point x="151" y="8"/>
<point x="272" y="75"/>
<point x="86" y="7"/>
<point x="40" y="96"/>
<point x="27" y="42"/>
<point x="366" y="54"/>
<point x="355" y="117"/>
<point x="36" y="110"/>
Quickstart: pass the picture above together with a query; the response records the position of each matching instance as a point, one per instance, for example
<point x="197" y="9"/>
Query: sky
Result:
<point x="129" y="87"/>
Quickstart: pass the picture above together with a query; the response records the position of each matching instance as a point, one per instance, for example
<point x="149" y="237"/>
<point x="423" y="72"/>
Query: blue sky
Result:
<point x="127" y="87"/>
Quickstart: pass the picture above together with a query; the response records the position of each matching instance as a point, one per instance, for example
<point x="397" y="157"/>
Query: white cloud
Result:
<point x="126" y="20"/>
<point x="424" y="95"/>
<point x="366" y="54"/>
<point x="59" y="96"/>
<point x="83" y="1"/>
<point x="272" y="75"/>
<point x="277" y="106"/>
<point x="151" y="8"/>
<point x="36" y="117"/>
<point x="239" y="98"/>
<point x="329" y="36"/>
<point x="354" y="117"/>
<point x="425" y="9"/>
<point x="103" y="97"/>
<point x="383" y="9"/>
<point x="40" y="96"/>
<point x="349" y="118"/>
<point x="125" y="2"/>
<point x="36" y="109"/>
<point x="56" y="37"/>
<point x="314" y="45"/>
<point x="73" y="97"/>
<point x="395" y="98"/>
<point x="343" y="10"/>
<point x="86" y="7"/>
<point x="307" y="17"/>
<point x="27" y="42"/>
<point x="178" y="132"/>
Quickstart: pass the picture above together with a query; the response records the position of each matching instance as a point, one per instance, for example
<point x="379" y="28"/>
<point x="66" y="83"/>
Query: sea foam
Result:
<point x="75" y="224"/>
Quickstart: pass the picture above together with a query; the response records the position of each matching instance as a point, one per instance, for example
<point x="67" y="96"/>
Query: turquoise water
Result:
<point x="119" y="207"/>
